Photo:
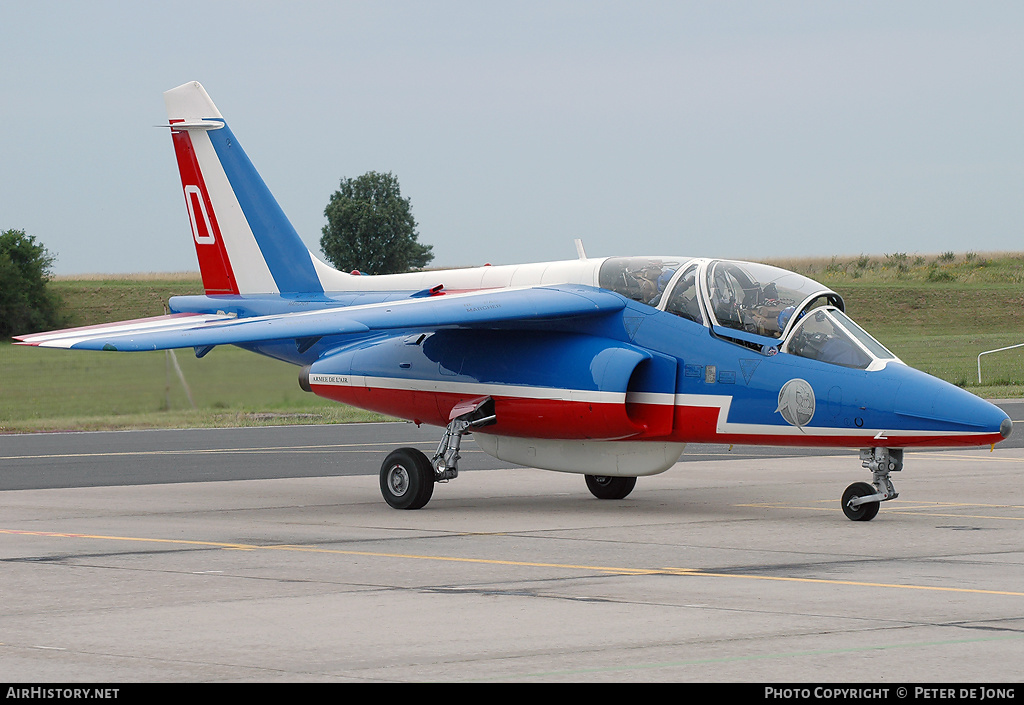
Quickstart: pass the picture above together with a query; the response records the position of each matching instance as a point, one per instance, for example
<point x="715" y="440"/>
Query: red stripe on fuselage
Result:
<point x="214" y="264"/>
<point x="575" y="420"/>
<point x="517" y="416"/>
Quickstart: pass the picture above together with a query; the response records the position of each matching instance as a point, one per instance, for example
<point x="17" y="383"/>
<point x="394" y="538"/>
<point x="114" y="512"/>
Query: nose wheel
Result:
<point x="863" y="510"/>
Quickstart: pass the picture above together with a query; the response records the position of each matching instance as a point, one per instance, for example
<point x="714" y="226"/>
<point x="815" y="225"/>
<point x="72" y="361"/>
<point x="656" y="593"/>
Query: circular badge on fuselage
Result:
<point x="796" y="402"/>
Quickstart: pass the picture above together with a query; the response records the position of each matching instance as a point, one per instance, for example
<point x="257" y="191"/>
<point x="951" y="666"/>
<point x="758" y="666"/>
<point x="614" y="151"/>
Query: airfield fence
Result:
<point x="1005" y="364"/>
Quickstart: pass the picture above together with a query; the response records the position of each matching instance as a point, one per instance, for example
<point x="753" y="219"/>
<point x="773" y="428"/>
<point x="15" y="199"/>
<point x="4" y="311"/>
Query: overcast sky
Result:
<point x="732" y="129"/>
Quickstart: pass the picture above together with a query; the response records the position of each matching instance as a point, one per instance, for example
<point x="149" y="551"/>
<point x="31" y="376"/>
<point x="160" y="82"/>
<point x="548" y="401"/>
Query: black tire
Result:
<point x="605" y="487"/>
<point x="865" y="512"/>
<point x="406" y="479"/>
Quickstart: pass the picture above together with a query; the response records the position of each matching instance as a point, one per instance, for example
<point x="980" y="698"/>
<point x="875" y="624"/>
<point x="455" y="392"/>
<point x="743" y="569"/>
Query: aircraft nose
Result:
<point x="941" y="406"/>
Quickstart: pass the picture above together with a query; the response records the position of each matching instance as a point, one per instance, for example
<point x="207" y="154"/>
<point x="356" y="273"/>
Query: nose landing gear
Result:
<point x="861" y="500"/>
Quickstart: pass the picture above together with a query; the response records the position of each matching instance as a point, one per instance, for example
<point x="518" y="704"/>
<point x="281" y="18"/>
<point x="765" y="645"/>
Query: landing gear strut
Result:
<point x="861" y="500"/>
<point x="407" y="477"/>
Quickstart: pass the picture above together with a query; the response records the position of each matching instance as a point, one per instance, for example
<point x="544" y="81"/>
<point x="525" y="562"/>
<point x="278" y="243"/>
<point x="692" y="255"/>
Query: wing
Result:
<point x="501" y="307"/>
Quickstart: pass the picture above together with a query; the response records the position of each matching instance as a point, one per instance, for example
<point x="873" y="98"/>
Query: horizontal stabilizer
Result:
<point x="156" y="325"/>
<point x="476" y="309"/>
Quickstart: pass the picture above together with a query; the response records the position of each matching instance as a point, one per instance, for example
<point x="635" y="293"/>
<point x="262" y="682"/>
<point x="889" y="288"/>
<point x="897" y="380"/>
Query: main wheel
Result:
<point x="406" y="479"/>
<point x="605" y="487"/>
<point x="865" y="512"/>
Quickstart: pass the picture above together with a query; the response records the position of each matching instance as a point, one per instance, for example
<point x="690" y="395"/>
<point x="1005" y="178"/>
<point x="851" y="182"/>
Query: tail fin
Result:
<point x="244" y="241"/>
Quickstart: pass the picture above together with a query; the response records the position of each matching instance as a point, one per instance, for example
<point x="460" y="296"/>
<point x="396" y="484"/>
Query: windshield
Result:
<point x="873" y="346"/>
<point x="757" y="298"/>
<point x="829" y="335"/>
<point x="818" y="337"/>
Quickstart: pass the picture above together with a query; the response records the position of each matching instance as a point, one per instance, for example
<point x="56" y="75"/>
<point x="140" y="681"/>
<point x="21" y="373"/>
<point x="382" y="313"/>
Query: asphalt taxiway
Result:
<point x="269" y="555"/>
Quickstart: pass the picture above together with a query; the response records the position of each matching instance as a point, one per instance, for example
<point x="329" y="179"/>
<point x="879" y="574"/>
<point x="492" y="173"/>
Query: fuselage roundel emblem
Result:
<point x="796" y="402"/>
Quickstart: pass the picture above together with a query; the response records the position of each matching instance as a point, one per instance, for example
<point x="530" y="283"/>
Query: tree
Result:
<point x="370" y="227"/>
<point x="26" y="305"/>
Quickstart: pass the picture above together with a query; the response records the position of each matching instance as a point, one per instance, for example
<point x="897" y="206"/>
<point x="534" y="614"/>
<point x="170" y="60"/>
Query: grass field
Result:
<point x="941" y="329"/>
<point x="938" y="323"/>
<point x="49" y="390"/>
<point x="937" y="313"/>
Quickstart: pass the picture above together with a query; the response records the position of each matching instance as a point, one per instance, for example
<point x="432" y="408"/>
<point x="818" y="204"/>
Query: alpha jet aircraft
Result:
<point x="604" y="367"/>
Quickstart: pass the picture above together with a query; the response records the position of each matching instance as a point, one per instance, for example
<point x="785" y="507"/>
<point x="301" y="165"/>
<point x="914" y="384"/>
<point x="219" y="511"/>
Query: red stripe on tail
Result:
<point x="214" y="264"/>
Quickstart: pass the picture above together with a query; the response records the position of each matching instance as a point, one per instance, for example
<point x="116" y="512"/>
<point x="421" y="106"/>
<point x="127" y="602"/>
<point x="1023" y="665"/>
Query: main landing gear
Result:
<point x="407" y="476"/>
<point x="605" y="487"/>
<point x="861" y="500"/>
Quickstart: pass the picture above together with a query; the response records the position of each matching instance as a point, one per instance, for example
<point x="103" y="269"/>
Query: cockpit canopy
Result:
<point x="762" y="307"/>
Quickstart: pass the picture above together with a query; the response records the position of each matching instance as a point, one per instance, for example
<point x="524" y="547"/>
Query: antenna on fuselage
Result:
<point x="580" y="252"/>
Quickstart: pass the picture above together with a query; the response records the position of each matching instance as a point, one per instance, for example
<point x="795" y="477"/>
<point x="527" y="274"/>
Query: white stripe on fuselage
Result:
<point x="710" y="401"/>
<point x="476" y="389"/>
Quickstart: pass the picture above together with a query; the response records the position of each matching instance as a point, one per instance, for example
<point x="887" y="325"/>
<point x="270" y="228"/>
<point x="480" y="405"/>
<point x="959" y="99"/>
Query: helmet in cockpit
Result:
<point x="784" y="316"/>
<point x="664" y="279"/>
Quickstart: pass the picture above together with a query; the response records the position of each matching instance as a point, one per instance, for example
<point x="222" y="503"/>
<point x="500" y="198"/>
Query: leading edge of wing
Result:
<point x="464" y="310"/>
<point x="70" y="337"/>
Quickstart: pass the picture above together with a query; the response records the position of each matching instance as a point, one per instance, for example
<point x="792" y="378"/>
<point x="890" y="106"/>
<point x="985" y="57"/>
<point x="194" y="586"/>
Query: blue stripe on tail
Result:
<point x="285" y="253"/>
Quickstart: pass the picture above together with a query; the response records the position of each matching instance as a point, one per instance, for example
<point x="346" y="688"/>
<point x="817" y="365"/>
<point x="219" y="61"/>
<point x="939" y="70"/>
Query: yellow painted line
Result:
<point x="957" y="456"/>
<point x="616" y="570"/>
<point x="924" y="504"/>
<point x="857" y="583"/>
